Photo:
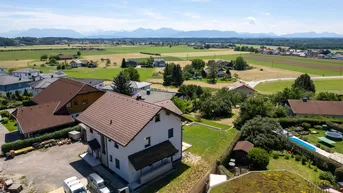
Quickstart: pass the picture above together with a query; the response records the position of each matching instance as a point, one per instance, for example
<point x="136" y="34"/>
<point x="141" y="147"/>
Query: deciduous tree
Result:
<point x="304" y="82"/>
<point x="122" y="84"/>
<point x="198" y="64"/>
<point x="258" y="158"/>
<point x="327" y="96"/>
<point x="212" y="71"/>
<point x="132" y="73"/>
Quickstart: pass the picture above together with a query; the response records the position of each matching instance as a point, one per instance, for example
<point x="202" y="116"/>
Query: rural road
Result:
<point x="252" y="84"/>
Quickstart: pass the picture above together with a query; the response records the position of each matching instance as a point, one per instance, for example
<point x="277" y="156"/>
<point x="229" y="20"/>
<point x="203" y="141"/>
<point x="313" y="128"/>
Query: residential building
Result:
<point x="136" y="86"/>
<point x="240" y="87"/>
<point x="10" y="84"/>
<point x="220" y="71"/>
<point x="153" y="96"/>
<point x="159" y="62"/>
<point x="132" y="63"/>
<point x="56" y="107"/>
<point x="313" y="107"/>
<point x="96" y="83"/>
<point x="57" y="74"/>
<point x="84" y="63"/>
<point x="137" y="140"/>
<point x="76" y="64"/>
<point x="65" y="57"/>
<point x="39" y="85"/>
<point x="26" y="73"/>
<point x="225" y="64"/>
<point x="240" y="152"/>
<point x="2" y="70"/>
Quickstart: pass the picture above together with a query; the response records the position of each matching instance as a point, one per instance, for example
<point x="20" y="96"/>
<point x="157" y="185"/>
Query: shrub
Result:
<point x="5" y="120"/>
<point x="318" y="145"/>
<point x="303" y="160"/>
<point x="29" y="141"/>
<point x="339" y="174"/>
<point x="306" y="125"/>
<point x="258" y="158"/>
<point x="275" y="155"/>
<point x="327" y="176"/>
<point x="297" y="157"/>
<point x="5" y="114"/>
<point x="318" y="127"/>
<point x="292" y="155"/>
<point x="287" y="156"/>
<point x="315" y="168"/>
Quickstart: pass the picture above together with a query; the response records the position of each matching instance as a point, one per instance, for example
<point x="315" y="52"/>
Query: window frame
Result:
<point x="90" y="130"/>
<point x="111" y="158"/>
<point x="157" y="118"/>
<point x="172" y="133"/>
<point x="117" y="163"/>
<point x="68" y="105"/>
<point x="147" y="142"/>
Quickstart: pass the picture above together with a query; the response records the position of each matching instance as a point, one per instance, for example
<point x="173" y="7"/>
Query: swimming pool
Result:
<point x="303" y="143"/>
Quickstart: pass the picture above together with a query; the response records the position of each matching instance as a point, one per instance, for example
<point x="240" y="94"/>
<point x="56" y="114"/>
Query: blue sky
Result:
<point x="254" y="16"/>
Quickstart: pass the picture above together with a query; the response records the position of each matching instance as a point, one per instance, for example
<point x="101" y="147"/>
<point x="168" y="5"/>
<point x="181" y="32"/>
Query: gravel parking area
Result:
<point x="48" y="168"/>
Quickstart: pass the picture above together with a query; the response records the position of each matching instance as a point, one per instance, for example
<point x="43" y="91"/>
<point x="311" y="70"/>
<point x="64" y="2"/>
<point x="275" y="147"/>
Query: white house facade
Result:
<point x="147" y="155"/>
<point x="26" y="73"/>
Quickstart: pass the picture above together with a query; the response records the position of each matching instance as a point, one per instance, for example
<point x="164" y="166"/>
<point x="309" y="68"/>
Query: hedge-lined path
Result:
<point x="3" y="132"/>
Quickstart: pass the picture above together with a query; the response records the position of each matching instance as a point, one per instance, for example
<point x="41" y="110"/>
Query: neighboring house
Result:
<point x="136" y="86"/>
<point x="240" y="152"/>
<point x="314" y="107"/>
<point x="56" y="107"/>
<point x="10" y="84"/>
<point x="57" y="74"/>
<point x="92" y="65"/>
<point x="2" y="70"/>
<point x="65" y="57"/>
<point x="76" y="64"/>
<point x="26" y="73"/>
<point x="220" y="71"/>
<point x="132" y="63"/>
<point x="96" y="83"/>
<point x="321" y="56"/>
<point x="159" y="62"/>
<point x="225" y="64"/>
<point x="137" y="140"/>
<point x="153" y="96"/>
<point x="84" y="63"/>
<point x="241" y="87"/>
<point x="39" y="85"/>
<point x="339" y="56"/>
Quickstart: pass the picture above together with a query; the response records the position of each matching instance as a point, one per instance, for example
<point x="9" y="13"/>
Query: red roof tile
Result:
<point x="168" y="104"/>
<point x="243" y="145"/>
<point x="314" y="107"/>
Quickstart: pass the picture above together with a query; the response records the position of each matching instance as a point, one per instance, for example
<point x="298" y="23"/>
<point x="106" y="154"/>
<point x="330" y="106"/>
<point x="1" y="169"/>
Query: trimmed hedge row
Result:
<point x="224" y="158"/>
<point x="155" y="54"/>
<point x="319" y="160"/>
<point x="19" y="144"/>
<point x="298" y="121"/>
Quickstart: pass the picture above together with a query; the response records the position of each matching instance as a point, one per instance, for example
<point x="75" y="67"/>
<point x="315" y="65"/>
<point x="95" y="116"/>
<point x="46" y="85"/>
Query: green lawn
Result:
<point x="11" y="125"/>
<point x="166" y="58"/>
<point x="99" y="73"/>
<point x="217" y="57"/>
<point x="25" y="55"/>
<point x="294" y="166"/>
<point x="313" y="139"/>
<point x="208" y="122"/>
<point x="328" y="85"/>
<point x="207" y="143"/>
<point x="263" y="182"/>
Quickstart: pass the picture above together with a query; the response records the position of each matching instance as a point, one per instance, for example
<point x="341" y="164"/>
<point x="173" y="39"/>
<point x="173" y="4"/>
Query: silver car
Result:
<point x="95" y="182"/>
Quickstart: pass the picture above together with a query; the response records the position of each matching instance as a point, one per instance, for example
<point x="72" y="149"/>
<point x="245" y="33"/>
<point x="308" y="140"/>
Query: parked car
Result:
<point x="97" y="183"/>
<point x="73" y="185"/>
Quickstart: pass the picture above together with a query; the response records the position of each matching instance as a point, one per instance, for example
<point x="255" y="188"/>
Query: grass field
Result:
<point x="328" y="85"/>
<point x="25" y="55"/>
<point x="313" y="138"/>
<point x="276" y="182"/>
<point x="166" y="58"/>
<point x="294" y="166"/>
<point x="11" y="125"/>
<point x="207" y="143"/>
<point x="99" y="73"/>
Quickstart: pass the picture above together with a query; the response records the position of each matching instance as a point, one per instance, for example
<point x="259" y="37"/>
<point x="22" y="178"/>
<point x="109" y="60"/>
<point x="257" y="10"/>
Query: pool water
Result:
<point x="303" y="143"/>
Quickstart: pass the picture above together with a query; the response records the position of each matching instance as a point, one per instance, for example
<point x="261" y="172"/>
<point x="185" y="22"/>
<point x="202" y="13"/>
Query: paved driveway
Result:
<point x="47" y="169"/>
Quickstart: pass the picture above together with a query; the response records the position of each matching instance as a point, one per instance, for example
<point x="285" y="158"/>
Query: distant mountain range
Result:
<point x="160" y="33"/>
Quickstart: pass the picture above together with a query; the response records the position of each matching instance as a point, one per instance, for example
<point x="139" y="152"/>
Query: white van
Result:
<point x="73" y="185"/>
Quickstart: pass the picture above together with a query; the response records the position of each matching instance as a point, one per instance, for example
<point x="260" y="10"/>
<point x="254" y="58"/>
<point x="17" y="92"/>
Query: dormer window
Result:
<point x="68" y="105"/>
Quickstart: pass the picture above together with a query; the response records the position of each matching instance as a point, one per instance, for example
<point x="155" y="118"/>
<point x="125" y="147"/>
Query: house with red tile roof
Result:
<point x="314" y="107"/>
<point x="138" y="140"/>
<point x="56" y="107"/>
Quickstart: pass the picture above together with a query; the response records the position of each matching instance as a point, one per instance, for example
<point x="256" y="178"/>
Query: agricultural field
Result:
<point x="273" y="181"/>
<point x="207" y="146"/>
<point x="258" y="46"/>
<point x="324" y="85"/>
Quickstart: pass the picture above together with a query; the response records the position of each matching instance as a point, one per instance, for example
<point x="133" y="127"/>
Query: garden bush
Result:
<point x="4" y="120"/>
<point x="258" y="158"/>
<point x="63" y="133"/>
<point x="297" y="157"/>
<point x="303" y="160"/>
<point x="5" y="114"/>
<point x="339" y="174"/>
<point x="306" y="125"/>
<point x="318" y="127"/>
<point x="318" y="145"/>
<point x="287" y="156"/>
<point x="327" y="176"/>
<point x="275" y="155"/>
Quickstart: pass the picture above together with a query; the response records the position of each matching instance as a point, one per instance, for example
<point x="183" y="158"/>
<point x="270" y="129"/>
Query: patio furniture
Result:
<point x="326" y="140"/>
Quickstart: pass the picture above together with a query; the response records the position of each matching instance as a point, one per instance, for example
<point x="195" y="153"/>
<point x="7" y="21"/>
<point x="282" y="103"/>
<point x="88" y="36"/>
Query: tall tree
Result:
<point x="132" y="73"/>
<point x="240" y="63"/>
<point x="167" y="74"/>
<point x="327" y="96"/>
<point x="304" y="82"/>
<point x="177" y="75"/>
<point x="78" y="53"/>
<point x="198" y="64"/>
<point x="123" y="63"/>
<point x="122" y="84"/>
<point x="212" y="71"/>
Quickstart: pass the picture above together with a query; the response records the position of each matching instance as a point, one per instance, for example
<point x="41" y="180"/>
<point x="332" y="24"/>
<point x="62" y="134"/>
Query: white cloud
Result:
<point x="120" y="5"/>
<point x="251" y="20"/>
<point x="152" y="14"/>
<point x="266" y="14"/>
<point x="191" y="15"/>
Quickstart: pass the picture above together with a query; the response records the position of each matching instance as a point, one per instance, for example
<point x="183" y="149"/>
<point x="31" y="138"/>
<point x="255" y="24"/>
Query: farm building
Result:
<point x="159" y="62"/>
<point x="314" y="107"/>
<point x="27" y="73"/>
<point x="241" y="87"/>
<point x="64" y="57"/>
<point x="76" y="64"/>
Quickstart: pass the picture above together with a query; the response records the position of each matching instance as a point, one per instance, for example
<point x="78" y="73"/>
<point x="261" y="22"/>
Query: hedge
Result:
<point x="19" y="144"/>
<point x="224" y="158"/>
<point x="319" y="160"/>
<point x="335" y="123"/>
<point x="156" y="54"/>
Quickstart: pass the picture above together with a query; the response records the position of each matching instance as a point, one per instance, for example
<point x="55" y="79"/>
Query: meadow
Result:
<point x="325" y="85"/>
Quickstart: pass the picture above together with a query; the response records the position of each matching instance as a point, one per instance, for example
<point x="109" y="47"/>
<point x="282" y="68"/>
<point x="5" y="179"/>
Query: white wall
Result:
<point x="25" y="75"/>
<point x="158" y="133"/>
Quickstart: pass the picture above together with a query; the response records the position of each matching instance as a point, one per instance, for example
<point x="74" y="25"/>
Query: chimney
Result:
<point x="305" y="99"/>
<point x="148" y="91"/>
<point x="138" y="97"/>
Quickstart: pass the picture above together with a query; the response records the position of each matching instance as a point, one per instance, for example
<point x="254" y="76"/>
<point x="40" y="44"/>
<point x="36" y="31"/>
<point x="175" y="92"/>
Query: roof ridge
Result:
<point x="133" y="99"/>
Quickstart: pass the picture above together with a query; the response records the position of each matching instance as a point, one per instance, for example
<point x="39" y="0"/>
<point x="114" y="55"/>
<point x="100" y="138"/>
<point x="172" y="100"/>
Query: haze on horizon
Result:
<point x="87" y="17"/>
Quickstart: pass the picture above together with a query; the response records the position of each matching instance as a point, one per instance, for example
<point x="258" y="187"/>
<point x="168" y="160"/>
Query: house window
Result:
<point x="167" y="113"/>
<point x="109" y="140"/>
<point x="111" y="159"/>
<point x="157" y="118"/>
<point x="116" y="145"/>
<point x="147" y="141"/>
<point x="84" y="102"/>
<point x="117" y="164"/>
<point x="68" y="105"/>
<point x="75" y="103"/>
<point x="90" y="130"/>
<point x="170" y="133"/>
